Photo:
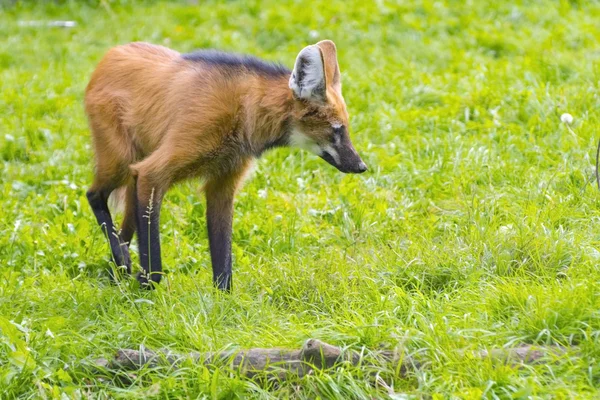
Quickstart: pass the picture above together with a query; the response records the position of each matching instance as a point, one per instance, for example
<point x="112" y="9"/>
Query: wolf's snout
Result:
<point x="361" y="167"/>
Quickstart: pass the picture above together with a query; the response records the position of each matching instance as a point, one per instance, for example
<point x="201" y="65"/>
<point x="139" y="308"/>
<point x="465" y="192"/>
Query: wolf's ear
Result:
<point x="308" y="77"/>
<point x="332" y="68"/>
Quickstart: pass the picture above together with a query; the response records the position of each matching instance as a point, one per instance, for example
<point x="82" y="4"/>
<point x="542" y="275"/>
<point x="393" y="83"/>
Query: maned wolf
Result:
<point x="158" y="117"/>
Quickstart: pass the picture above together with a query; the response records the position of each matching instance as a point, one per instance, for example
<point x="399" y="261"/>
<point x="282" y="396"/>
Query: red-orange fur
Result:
<point x="160" y="118"/>
<point x="156" y="115"/>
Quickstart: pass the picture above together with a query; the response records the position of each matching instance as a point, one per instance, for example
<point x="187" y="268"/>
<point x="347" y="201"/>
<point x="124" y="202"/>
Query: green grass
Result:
<point x="477" y="225"/>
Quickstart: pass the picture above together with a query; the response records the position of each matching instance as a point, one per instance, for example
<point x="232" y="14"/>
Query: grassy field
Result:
<point x="476" y="227"/>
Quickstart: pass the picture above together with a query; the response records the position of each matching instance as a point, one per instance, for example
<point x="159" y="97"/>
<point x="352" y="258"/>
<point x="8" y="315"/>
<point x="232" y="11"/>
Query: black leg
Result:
<point x="120" y="251"/>
<point x="147" y="220"/>
<point x="129" y="218"/>
<point x="219" y="216"/>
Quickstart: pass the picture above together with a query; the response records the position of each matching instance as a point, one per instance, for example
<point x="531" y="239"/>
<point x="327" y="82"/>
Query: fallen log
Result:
<point x="314" y="354"/>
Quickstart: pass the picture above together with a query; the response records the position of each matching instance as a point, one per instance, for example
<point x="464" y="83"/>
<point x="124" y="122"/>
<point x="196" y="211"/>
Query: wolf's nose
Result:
<point x="362" y="167"/>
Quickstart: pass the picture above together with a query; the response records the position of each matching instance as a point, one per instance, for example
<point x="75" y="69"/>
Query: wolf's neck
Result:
<point x="268" y="107"/>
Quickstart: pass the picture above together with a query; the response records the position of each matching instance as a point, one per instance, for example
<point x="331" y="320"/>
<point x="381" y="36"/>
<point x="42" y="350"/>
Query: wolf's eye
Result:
<point x="338" y="132"/>
<point x="311" y="113"/>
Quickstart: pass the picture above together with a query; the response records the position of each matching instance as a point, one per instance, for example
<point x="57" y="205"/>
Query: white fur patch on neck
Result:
<point x="308" y="73"/>
<point x="301" y="141"/>
<point x="332" y="152"/>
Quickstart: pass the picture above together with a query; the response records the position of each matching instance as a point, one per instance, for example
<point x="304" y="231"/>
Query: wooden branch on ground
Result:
<point x="314" y="354"/>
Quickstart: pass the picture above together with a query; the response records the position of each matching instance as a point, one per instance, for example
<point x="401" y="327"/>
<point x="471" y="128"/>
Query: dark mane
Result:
<point x="231" y="60"/>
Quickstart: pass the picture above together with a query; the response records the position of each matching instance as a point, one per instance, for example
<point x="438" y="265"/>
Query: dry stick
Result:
<point x="597" y="162"/>
<point x="315" y="354"/>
